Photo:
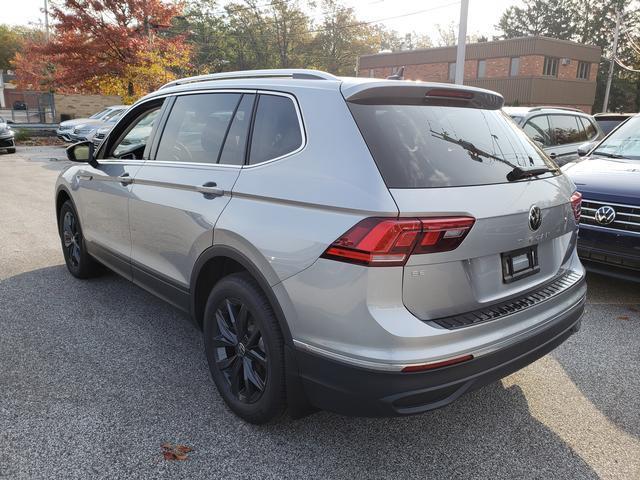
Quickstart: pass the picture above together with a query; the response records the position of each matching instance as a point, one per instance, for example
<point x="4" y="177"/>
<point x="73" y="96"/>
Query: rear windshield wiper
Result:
<point x="474" y="152"/>
<point x="605" y="154"/>
<point x="518" y="173"/>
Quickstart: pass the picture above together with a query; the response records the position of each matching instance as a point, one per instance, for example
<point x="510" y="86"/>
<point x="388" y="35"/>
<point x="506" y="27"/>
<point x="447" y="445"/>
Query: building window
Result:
<point x="550" y="68"/>
<point x="452" y="72"/>
<point x="514" y="68"/>
<point x="584" y="68"/>
<point x="482" y="68"/>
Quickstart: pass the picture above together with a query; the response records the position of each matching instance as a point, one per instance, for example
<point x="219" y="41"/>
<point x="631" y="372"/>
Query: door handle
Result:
<point x="125" y="179"/>
<point x="210" y="190"/>
<point x="84" y="176"/>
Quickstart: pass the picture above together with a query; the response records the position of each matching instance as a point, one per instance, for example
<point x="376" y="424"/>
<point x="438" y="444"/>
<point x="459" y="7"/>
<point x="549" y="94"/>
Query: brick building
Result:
<point x="526" y="71"/>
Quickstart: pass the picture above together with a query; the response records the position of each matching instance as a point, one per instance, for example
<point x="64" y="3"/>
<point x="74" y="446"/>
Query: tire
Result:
<point x="248" y="371"/>
<point x="79" y="263"/>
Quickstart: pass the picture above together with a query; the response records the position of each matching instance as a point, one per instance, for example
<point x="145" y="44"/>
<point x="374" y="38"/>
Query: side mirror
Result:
<point x="585" y="148"/>
<point x="82" y="152"/>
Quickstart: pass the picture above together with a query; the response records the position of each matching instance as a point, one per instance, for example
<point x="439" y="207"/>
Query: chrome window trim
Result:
<point x="292" y="97"/>
<point x="303" y="132"/>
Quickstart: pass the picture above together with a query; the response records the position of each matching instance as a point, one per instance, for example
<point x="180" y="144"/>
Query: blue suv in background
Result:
<point x="609" y="180"/>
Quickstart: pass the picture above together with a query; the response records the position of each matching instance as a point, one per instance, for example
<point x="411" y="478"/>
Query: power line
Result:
<point x="351" y="25"/>
<point x="627" y="68"/>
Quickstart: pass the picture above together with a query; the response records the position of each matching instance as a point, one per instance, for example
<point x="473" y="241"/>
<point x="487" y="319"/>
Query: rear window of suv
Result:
<point x="419" y="146"/>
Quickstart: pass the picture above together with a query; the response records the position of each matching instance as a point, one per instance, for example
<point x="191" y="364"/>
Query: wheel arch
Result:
<point x="62" y="195"/>
<point x="218" y="261"/>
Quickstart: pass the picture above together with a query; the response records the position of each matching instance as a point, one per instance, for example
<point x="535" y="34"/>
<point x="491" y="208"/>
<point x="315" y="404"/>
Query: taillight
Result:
<point x="576" y="205"/>
<point x="443" y="234"/>
<point x="377" y="242"/>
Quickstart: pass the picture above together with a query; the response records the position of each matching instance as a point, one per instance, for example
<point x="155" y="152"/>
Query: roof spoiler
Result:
<point x="408" y="93"/>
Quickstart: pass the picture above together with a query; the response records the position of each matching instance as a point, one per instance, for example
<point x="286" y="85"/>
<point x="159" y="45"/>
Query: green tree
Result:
<point x="11" y="41"/>
<point x="341" y="39"/>
<point x="549" y="18"/>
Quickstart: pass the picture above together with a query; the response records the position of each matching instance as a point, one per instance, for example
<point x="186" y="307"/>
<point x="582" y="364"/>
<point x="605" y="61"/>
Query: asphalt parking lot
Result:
<point x="96" y="375"/>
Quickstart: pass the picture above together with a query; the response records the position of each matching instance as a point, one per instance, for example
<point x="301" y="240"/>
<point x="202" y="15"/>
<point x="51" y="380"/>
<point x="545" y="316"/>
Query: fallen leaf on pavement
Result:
<point x="622" y="317"/>
<point x="175" y="452"/>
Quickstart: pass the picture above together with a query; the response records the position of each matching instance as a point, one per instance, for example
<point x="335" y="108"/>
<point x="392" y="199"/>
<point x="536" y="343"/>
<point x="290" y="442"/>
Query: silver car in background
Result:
<point x="88" y="130"/>
<point x="369" y="247"/>
<point x="560" y="131"/>
<point x="65" y="129"/>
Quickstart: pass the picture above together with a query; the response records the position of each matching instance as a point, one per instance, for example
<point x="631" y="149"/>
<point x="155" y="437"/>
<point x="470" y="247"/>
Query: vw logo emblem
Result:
<point x="535" y="218"/>
<point x="605" y="215"/>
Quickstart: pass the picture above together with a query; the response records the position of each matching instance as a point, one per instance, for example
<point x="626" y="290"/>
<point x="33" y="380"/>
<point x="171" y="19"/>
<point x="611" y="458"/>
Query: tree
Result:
<point x="11" y="40"/>
<point x="95" y="41"/>
<point x="341" y="39"/>
<point x="550" y="18"/>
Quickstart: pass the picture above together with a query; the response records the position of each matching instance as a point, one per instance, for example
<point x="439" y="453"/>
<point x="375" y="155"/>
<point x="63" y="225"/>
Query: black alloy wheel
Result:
<point x="239" y="351"/>
<point x="245" y="349"/>
<point x="79" y="263"/>
<point x="71" y="238"/>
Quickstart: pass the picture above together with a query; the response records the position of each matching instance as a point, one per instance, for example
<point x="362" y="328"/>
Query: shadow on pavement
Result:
<point x="609" y="343"/>
<point x="96" y="374"/>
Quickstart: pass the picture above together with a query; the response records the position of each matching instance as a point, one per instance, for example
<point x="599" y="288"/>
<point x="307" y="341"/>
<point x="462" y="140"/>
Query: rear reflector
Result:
<point x="377" y="242"/>
<point x="432" y="366"/>
<point x="576" y="205"/>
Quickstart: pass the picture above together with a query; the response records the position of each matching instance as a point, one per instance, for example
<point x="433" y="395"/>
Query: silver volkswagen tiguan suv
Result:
<point x="369" y="247"/>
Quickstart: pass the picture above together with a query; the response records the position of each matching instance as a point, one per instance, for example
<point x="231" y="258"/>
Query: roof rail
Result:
<point x="569" y="109"/>
<point x="272" y="73"/>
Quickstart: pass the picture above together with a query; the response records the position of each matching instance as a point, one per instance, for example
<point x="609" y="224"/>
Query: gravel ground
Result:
<point x="96" y="375"/>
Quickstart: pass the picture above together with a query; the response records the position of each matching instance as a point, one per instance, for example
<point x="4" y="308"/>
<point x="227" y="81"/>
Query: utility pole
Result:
<point x="46" y="21"/>
<point x="462" y="41"/>
<point x="612" y="61"/>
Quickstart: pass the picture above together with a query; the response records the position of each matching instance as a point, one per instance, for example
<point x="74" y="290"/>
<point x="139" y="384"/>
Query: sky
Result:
<point x="421" y="16"/>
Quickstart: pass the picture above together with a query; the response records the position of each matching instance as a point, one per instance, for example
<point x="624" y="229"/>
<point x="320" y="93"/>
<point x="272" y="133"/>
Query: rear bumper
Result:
<point x="350" y="390"/>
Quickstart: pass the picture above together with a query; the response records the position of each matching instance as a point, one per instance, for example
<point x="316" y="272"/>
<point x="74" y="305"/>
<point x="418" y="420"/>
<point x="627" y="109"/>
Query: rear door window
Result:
<point x="538" y="130"/>
<point x="276" y="130"/>
<point x="566" y="130"/>
<point x="418" y="146"/>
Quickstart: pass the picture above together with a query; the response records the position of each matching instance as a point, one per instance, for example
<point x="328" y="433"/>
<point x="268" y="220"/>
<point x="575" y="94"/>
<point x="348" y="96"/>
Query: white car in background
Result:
<point x="65" y="129"/>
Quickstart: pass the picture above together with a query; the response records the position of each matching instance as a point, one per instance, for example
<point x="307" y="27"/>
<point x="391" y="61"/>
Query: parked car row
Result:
<point x="607" y="176"/>
<point x="81" y="129"/>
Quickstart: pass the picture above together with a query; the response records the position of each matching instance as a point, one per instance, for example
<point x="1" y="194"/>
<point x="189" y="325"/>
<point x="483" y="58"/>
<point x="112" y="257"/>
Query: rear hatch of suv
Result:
<point x="498" y="219"/>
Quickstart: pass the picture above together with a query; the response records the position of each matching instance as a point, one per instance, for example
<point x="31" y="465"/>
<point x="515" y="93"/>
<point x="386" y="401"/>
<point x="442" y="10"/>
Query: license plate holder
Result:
<point x="520" y="263"/>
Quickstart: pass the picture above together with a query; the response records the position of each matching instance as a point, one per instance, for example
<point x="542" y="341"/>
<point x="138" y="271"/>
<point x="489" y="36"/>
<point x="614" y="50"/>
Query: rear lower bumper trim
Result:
<point x="350" y="390"/>
<point x="557" y="286"/>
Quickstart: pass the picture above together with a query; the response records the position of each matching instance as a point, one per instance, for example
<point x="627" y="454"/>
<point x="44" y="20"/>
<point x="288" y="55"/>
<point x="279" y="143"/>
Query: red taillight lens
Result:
<point x="576" y="205"/>
<point x="443" y="234"/>
<point x="376" y="242"/>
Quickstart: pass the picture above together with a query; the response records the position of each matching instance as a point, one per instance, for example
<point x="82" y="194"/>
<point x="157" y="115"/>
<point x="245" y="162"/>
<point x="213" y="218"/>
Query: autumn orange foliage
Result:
<point x="106" y="46"/>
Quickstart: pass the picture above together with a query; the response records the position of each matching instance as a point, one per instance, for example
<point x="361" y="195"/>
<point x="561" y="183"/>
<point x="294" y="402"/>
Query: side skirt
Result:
<point x="153" y="282"/>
